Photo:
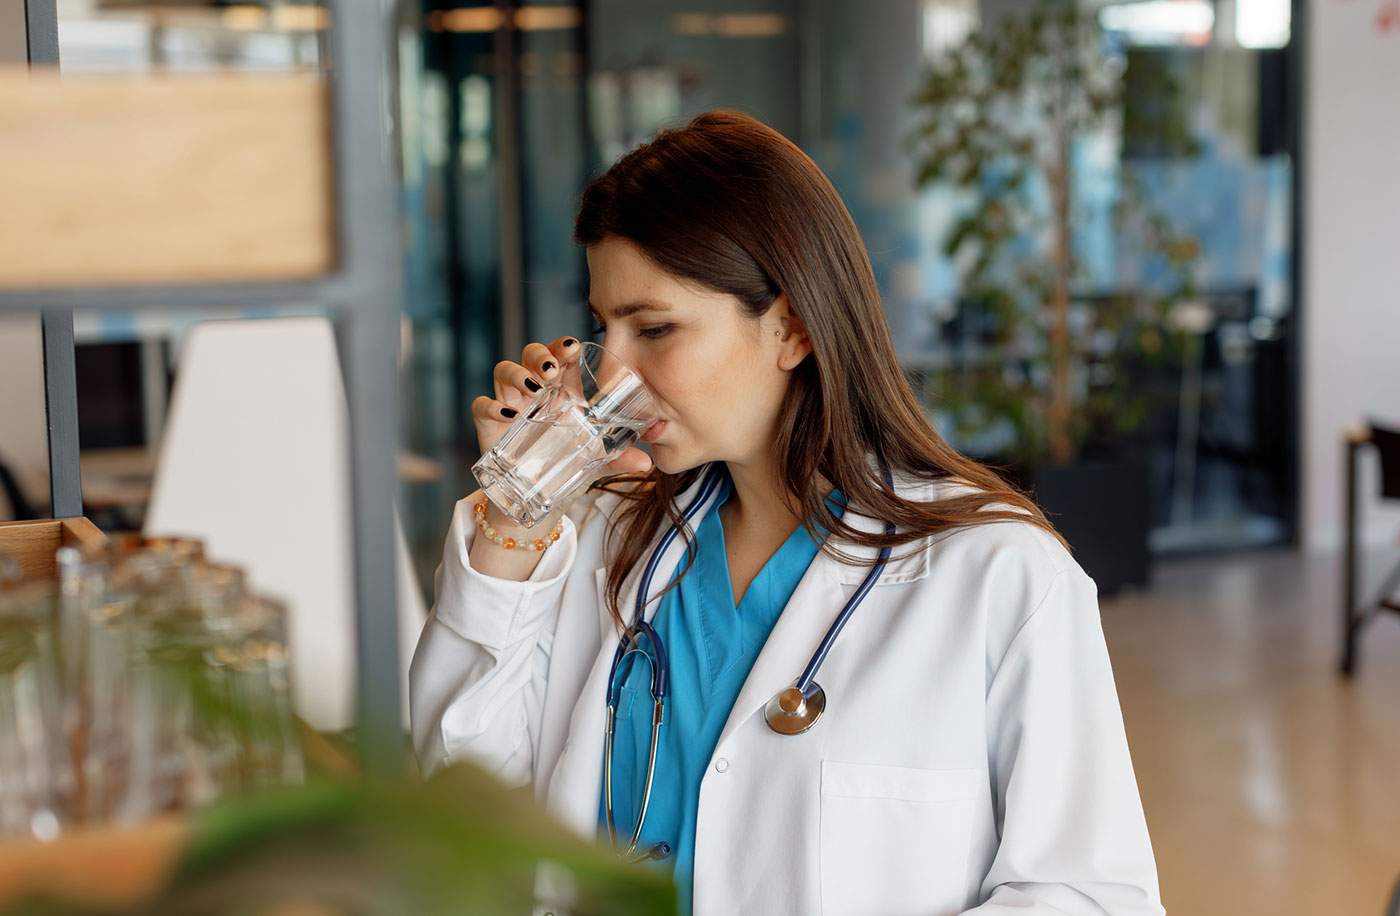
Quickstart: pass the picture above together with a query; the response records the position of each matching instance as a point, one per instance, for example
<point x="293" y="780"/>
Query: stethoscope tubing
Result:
<point x="646" y="791"/>
<point x="630" y="642"/>
<point x="639" y="623"/>
<point x="712" y="482"/>
<point x="809" y="674"/>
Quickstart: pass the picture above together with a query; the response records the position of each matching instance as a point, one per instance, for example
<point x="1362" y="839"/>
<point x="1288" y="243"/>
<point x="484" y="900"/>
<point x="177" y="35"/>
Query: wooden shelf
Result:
<point x="144" y="181"/>
<point x="33" y="544"/>
<point x="112" y="865"/>
<point x="209" y="191"/>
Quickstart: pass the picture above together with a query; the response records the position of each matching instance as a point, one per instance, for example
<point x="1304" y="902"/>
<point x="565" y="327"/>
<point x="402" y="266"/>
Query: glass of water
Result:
<point x="36" y="773"/>
<point x="595" y="410"/>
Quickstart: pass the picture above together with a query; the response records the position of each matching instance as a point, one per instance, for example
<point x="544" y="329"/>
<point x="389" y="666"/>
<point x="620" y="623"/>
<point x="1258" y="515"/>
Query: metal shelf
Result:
<point x="331" y="292"/>
<point x="360" y="294"/>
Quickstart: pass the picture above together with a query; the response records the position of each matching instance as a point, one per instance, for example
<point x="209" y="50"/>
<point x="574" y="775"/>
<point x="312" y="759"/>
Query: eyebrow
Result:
<point x="632" y="308"/>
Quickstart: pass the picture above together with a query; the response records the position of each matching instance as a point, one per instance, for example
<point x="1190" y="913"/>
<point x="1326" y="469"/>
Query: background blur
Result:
<point x="1232" y="207"/>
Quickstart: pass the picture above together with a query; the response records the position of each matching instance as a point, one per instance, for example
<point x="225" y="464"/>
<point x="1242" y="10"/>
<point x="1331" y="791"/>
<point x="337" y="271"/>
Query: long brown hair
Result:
<point x="731" y="204"/>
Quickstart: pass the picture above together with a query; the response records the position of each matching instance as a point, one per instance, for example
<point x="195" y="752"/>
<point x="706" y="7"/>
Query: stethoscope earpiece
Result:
<point x="792" y="712"/>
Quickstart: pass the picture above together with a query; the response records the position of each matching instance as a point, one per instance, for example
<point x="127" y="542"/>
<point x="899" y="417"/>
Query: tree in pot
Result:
<point x="1045" y="363"/>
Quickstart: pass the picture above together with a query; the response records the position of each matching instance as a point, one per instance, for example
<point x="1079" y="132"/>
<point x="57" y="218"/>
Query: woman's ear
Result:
<point x="789" y="334"/>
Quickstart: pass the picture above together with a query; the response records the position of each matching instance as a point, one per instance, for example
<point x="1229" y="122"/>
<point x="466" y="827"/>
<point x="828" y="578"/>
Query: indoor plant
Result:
<point x="1045" y="360"/>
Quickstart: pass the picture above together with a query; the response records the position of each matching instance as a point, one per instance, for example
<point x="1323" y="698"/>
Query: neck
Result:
<point x="760" y="498"/>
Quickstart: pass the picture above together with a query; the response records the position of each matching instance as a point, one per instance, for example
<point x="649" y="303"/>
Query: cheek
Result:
<point x="706" y="388"/>
<point x="681" y="380"/>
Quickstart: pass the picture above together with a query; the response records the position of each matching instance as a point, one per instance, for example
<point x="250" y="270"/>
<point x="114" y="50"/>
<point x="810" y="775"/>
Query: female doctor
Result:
<point x="804" y="655"/>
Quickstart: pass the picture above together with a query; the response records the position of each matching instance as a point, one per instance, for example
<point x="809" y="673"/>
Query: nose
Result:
<point x="613" y="342"/>
<point x="618" y="345"/>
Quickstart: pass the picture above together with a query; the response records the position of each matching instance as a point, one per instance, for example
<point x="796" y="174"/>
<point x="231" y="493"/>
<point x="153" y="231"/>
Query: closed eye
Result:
<point x="651" y="333"/>
<point x="660" y="330"/>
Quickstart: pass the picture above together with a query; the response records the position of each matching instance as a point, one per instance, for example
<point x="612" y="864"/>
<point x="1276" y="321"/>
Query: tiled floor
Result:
<point x="1271" y="784"/>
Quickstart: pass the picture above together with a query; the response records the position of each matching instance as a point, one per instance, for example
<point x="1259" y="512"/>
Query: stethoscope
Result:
<point x="793" y="711"/>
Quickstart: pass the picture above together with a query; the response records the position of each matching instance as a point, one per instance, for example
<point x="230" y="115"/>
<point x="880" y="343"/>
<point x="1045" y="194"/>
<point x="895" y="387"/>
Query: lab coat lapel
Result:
<point x="810" y="612"/>
<point x="814" y="605"/>
<point x="577" y="782"/>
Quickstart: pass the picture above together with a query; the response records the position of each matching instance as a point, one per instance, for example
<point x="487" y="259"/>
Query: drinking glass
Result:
<point x="36" y="775"/>
<point x="594" y="411"/>
<point x="105" y="751"/>
<point x="252" y="659"/>
<point x="142" y="678"/>
<point x="186" y="725"/>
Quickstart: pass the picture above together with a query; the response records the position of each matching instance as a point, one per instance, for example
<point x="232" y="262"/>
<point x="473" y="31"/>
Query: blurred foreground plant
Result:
<point x="174" y="678"/>
<point x="457" y="844"/>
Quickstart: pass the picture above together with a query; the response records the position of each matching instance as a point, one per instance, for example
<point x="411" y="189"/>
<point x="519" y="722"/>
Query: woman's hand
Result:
<point x="518" y="384"/>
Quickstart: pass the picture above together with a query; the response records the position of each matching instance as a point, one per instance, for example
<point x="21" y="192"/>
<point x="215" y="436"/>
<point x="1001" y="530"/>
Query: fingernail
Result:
<point x="548" y="365"/>
<point x="532" y="384"/>
<point x="509" y="412"/>
<point x="570" y="342"/>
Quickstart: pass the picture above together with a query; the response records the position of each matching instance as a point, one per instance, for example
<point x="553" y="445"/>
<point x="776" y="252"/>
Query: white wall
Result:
<point x="1351" y="333"/>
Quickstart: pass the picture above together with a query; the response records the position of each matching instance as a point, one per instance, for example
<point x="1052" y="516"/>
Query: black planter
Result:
<point x="1100" y="506"/>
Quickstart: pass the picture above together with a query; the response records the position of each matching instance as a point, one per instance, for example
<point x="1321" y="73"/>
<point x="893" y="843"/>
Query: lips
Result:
<point x="654" y="431"/>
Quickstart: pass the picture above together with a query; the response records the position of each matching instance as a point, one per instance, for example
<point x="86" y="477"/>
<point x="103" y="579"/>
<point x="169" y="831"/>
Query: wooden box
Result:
<point x="33" y="544"/>
<point x="154" y="180"/>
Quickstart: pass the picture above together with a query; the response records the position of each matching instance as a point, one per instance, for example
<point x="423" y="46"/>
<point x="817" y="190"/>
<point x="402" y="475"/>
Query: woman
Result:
<point x="971" y="756"/>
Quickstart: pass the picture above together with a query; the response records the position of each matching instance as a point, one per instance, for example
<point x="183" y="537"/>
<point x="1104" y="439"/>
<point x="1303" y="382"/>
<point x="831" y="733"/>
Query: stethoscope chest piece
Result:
<point x="792" y="712"/>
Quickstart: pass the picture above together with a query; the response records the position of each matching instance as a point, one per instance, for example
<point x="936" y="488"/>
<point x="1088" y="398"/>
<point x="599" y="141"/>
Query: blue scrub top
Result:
<point x="711" y="645"/>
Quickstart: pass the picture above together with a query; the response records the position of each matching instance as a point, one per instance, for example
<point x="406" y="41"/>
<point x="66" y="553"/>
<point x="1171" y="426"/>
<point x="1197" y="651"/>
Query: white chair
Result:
<point x="24" y="440"/>
<point x="254" y="461"/>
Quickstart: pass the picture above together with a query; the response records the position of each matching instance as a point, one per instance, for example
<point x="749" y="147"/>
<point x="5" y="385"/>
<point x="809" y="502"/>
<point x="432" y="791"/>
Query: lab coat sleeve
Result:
<point x="477" y="681"/>
<point x="1073" y="838"/>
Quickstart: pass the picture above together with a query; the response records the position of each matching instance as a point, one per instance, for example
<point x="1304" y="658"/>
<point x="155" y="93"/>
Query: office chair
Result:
<point x="19" y="509"/>
<point x="1356" y="617"/>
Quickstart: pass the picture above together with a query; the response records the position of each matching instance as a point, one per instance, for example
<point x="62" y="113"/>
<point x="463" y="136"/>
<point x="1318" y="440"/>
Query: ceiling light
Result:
<point x="470" y="19"/>
<point x="1161" y="21"/>
<point x="1263" y="23"/>
<point x="539" y="18"/>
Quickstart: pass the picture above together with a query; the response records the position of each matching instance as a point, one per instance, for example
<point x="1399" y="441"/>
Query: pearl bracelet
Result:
<point x="511" y="543"/>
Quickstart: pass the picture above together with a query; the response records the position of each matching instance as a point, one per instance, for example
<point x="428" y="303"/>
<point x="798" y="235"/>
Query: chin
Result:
<point x="668" y="461"/>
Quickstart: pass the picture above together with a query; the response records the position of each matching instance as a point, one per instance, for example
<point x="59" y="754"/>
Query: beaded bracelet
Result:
<point x="511" y="543"/>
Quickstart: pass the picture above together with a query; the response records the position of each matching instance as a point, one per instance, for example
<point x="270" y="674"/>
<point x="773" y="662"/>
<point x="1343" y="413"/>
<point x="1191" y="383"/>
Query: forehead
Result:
<point x="614" y="263"/>
<point x="621" y="278"/>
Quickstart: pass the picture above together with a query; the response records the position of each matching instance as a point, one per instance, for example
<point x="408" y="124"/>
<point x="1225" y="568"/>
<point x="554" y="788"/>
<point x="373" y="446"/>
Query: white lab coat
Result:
<point x="971" y="758"/>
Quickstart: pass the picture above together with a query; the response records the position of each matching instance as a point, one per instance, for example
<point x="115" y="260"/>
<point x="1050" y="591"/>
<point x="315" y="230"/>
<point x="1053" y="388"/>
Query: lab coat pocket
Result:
<point x="895" y="840"/>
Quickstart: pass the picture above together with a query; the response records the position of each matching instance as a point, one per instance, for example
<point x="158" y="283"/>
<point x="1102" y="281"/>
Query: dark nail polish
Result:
<point x="547" y="366"/>
<point x="509" y="412"/>
<point x="532" y="384"/>
<point x="570" y="342"/>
